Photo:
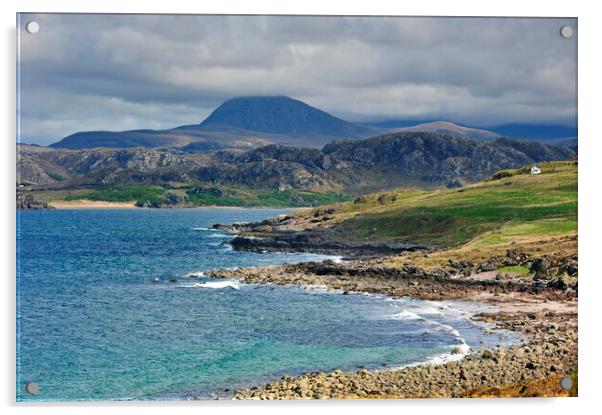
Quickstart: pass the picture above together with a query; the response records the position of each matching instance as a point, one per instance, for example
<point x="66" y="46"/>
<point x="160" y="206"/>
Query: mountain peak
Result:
<point x="283" y="115"/>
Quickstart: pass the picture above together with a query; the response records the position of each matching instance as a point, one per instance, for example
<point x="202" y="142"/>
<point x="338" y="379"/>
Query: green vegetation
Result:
<point x="517" y="269"/>
<point x="212" y="196"/>
<point x="514" y="230"/>
<point x="271" y="198"/>
<point x="139" y="194"/>
<point x="514" y="204"/>
<point x="56" y="176"/>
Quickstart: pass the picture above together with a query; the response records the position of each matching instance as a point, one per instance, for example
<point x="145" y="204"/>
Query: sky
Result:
<point x="119" y="72"/>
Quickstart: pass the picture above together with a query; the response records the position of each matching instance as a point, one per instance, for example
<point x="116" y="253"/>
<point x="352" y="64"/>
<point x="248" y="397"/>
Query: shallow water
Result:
<point x="98" y="319"/>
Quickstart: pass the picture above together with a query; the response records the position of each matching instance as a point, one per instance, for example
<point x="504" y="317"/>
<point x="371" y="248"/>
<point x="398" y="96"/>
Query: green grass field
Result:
<point x="519" y="203"/>
<point x="213" y="196"/>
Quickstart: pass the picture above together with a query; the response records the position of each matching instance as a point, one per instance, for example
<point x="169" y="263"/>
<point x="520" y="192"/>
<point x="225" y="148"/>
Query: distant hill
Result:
<point x="238" y="123"/>
<point x="551" y="134"/>
<point x="450" y="128"/>
<point x="121" y="139"/>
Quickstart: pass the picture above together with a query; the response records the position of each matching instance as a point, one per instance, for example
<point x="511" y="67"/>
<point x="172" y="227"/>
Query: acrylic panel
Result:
<point x="295" y="207"/>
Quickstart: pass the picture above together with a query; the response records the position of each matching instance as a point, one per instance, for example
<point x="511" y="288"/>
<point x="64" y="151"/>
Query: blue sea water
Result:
<point x="99" y="319"/>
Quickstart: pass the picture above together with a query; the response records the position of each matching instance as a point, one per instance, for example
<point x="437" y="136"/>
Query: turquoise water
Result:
<point x="98" y="319"/>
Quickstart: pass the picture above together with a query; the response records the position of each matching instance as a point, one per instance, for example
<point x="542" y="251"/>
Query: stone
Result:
<point x="487" y="354"/>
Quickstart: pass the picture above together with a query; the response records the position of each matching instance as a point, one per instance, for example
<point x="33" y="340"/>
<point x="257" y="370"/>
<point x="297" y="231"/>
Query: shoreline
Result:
<point x="544" y="318"/>
<point x="467" y="308"/>
<point x="101" y="204"/>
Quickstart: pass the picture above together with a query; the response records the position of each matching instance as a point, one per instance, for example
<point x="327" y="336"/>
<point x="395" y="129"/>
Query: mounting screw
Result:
<point x="32" y="27"/>
<point x="32" y="388"/>
<point x="566" y="383"/>
<point x="566" y="32"/>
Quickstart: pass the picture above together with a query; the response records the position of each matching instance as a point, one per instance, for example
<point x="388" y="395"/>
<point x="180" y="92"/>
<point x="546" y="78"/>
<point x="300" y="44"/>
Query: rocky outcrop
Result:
<point x="170" y="199"/>
<point x="26" y="201"/>
<point x="315" y="242"/>
<point x="408" y="280"/>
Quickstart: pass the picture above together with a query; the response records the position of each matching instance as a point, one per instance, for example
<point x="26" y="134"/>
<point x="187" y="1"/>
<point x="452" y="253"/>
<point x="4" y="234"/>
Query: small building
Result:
<point x="535" y="170"/>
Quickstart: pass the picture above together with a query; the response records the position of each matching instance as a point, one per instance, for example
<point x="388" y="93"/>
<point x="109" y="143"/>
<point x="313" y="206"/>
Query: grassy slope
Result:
<point x="486" y="213"/>
<point x="224" y="197"/>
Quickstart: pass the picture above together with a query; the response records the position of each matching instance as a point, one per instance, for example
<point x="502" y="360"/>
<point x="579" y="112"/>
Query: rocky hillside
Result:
<point x="416" y="159"/>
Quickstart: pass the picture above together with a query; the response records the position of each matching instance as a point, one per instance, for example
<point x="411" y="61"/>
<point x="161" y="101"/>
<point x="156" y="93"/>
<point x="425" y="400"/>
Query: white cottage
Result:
<point x="535" y="170"/>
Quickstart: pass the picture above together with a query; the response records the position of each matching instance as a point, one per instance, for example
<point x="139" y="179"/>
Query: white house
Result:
<point x="535" y="170"/>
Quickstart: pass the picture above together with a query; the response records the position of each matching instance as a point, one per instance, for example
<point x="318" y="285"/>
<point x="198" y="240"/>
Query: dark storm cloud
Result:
<point x="83" y="72"/>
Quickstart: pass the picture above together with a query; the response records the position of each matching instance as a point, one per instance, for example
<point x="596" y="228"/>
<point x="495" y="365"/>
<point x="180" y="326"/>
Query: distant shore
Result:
<point x="91" y="204"/>
<point x="102" y="204"/>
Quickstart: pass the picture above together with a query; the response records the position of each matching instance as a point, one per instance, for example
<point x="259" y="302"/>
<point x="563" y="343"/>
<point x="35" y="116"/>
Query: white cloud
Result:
<point x="83" y="72"/>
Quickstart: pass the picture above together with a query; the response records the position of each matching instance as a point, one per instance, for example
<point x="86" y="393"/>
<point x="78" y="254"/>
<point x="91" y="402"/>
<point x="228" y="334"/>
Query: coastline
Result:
<point x="101" y="204"/>
<point x="544" y="317"/>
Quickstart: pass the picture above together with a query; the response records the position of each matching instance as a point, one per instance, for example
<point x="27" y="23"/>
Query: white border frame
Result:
<point x="589" y="219"/>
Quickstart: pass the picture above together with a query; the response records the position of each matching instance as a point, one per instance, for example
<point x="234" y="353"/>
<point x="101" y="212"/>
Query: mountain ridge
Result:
<point x="249" y="122"/>
<point x="416" y="159"/>
<point x="241" y="122"/>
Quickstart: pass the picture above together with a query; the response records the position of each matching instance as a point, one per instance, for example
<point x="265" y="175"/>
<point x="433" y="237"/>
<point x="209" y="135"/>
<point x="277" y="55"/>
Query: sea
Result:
<point x="107" y="310"/>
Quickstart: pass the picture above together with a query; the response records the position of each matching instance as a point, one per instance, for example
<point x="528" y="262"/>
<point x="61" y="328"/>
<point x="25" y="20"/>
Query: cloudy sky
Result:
<point x="119" y="72"/>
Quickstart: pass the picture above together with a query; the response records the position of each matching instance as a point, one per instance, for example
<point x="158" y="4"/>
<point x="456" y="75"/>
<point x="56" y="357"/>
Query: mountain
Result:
<point x="248" y="122"/>
<point x="284" y="115"/>
<point x="419" y="159"/>
<point x="122" y="139"/>
<point x="243" y="122"/>
<point x="450" y="128"/>
<point x="546" y="133"/>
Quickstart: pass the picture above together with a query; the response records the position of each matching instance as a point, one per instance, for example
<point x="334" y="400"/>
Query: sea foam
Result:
<point x="218" y="284"/>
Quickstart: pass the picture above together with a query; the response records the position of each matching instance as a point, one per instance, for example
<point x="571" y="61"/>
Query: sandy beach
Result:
<point x="91" y="204"/>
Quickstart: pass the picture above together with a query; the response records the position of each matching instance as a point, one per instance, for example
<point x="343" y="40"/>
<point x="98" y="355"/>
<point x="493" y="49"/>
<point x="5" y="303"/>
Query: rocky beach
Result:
<point x="531" y="283"/>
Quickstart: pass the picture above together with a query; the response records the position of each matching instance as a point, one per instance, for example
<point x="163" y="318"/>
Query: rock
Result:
<point x="487" y="266"/>
<point x="456" y="350"/>
<point x="360" y="200"/>
<point x="27" y="201"/>
<point x="170" y="199"/>
<point x="176" y="198"/>
<point x="487" y="354"/>
<point x="212" y="191"/>
<point x="540" y="265"/>
<point x="455" y="184"/>
<point x="297" y="199"/>
<point x="560" y="282"/>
